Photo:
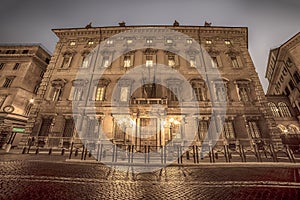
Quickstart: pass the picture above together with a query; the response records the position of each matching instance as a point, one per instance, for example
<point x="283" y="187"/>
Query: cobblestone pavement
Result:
<point x="50" y="177"/>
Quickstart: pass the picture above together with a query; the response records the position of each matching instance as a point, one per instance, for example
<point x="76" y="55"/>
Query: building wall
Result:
<point x="224" y="43"/>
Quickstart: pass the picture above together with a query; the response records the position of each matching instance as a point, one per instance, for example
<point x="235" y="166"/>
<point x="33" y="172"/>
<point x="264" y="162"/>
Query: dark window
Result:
<point x="287" y="91"/>
<point x="10" y="51"/>
<point x="36" y="88"/>
<point x="47" y="60"/>
<point x="45" y="127"/>
<point x="8" y="82"/>
<point x="25" y="51"/>
<point x="69" y="128"/>
<point x="42" y="74"/>
<point x="296" y="77"/>
<point x="16" y="67"/>
<point x="2" y="65"/>
<point x="291" y="84"/>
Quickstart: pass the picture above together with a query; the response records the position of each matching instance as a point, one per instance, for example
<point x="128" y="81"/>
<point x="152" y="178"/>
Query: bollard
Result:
<point x="148" y="154"/>
<point x="71" y="150"/>
<point x="161" y="154"/>
<point x="197" y="154"/>
<point x="63" y="152"/>
<point x="90" y="153"/>
<point x="37" y="151"/>
<point x="24" y="150"/>
<point x="145" y="150"/>
<point x="76" y="152"/>
<point x="82" y="154"/>
<point x="188" y="155"/>
<point x="129" y="151"/>
<point x="50" y="151"/>
<point x="194" y="154"/>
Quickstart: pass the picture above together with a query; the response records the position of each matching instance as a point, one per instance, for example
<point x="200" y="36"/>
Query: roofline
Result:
<point x="139" y="26"/>
<point x="40" y="45"/>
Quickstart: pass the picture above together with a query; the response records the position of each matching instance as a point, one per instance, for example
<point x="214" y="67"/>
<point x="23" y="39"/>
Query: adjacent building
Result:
<point x="22" y="67"/>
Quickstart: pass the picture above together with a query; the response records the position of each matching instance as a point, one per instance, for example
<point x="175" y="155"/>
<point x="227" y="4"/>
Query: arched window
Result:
<point x="284" y="109"/>
<point x="274" y="109"/>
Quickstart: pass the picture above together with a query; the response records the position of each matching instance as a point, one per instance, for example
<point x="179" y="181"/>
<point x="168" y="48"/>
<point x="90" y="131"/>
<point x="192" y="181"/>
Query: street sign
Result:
<point x="18" y="130"/>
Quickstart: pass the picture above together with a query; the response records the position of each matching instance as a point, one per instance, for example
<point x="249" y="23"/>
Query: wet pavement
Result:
<point x="51" y="177"/>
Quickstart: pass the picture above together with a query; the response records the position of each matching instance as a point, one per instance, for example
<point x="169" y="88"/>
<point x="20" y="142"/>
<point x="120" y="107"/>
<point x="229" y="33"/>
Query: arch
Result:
<point x="293" y="128"/>
<point x="282" y="128"/>
<point x="284" y="109"/>
<point x="274" y="109"/>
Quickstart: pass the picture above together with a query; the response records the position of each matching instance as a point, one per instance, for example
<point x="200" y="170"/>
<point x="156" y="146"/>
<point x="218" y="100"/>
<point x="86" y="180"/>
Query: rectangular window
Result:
<point x="199" y="93"/>
<point x="124" y="94"/>
<point x="214" y="62"/>
<point x="27" y="109"/>
<point x="55" y="94"/>
<point x="228" y="130"/>
<point x="99" y="94"/>
<point x="202" y="130"/>
<point x="287" y="91"/>
<point x="26" y="51"/>
<point x="208" y="42"/>
<point x="69" y="128"/>
<point x="105" y="62"/>
<point x="221" y="92"/>
<point x="227" y="42"/>
<point x="296" y="77"/>
<point x="109" y="42"/>
<point x="86" y="61"/>
<point x="243" y="93"/>
<point x="291" y="84"/>
<point x="90" y="43"/>
<point x="149" y="41"/>
<point x="77" y="94"/>
<point x="234" y="62"/>
<point x="171" y="60"/>
<point x="7" y="83"/>
<point x="72" y="43"/>
<point x="129" y="41"/>
<point x="174" y="93"/>
<point x="16" y="67"/>
<point x="45" y="127"/>
<point x="127" y="61"/>
<point x="149" y="61"/>
<point x="253" y="129"/>
<point x="36" y="88"/>
<point x="169" y="41"/>
<point x="189" y="41"/>
<point x="192" y="61"/>
<point x="10" y="51"/>
<point x="2" y="65"/>
<point x="2" y="99"/>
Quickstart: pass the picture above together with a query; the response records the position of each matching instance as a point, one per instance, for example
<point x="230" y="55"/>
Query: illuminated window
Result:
<point x="109" y="42"/>
<point x="171" y="60"/>
<point x="129" y="41"/>
<point x="192" y="61"/>
<point x="105" y="62"/>
<point x="274" y="109"/>
<point x="100" y="93"/>
<point x="127" y="61"/>
<point x="169" y="41"/>
<point x="72" y="43"/>
<point x="227" y="42"/>
<point x="90" y="43"/>
<point x="149" y="41"/>
<point x="149" y="61"/>
<point x="214" y="62"/>
<point x="208" y="42"/>
<point x="189" y="41"/>
<point x="202" y="129"/>
<point x="284" y="109"/>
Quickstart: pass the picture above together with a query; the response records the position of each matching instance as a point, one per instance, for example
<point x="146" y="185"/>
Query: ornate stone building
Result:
<point x="21" y="67"/>
<point x="284" y="90"/>
<point x="104" y="104"/>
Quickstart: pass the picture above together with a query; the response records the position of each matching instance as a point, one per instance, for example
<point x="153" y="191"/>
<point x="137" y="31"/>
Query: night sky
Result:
<point x="270" y="22"/>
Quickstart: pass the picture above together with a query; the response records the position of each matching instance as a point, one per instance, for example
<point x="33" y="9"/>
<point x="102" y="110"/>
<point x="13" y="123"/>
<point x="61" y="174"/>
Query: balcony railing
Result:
<point x="149" y="101"/>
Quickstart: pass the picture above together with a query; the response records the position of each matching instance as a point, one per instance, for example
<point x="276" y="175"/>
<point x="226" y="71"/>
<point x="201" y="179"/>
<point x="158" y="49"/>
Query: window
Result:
<point x="2" y="65"/>
<point x="289" y="62"/>
<point x="214" y="62"/>
<point x="69" y="128"/>
<point x="208" y="42"/>
<point x="42" y="74"/>
<point x="173" y="92"/>
<point x="7" y="83"/>
<point x="221" y="91"/>
<point x="202" y="129"/>
<point x="243" y="91"/>
<point x="274" y="109"/>
<point x="296" y="77"/>
<point x="25" y="51"/>
<point x="119" y="134"/>
<point x="45" y="127"/>
<point x="66" y="61"/>
<point x="253" y="129"/>
<point x="235" y="62"/>
<point x="149" y="61"/>
<point x="149" y="90"/>
<point x="124" y="94"/>
<point x="169" y="41"/>
<point x="16" y="67"/>
<point x="171" y="60"/>
<point x="199" y="89"/>
<point x="287" y="91"/>
<point x="36" y="88"/>
<point x="127" y="61"/>
<point x="2" y="99"/>
<point x="77" y="93"/>
<point x="193" y="61"/>
<point x="189" y="41"/>
<point x="56" y="94"/>
<point x="10" y="51"/>
<point x="227" y="42"/>
<point x="284" y="109"/>
<point x="129" y="41"/>
<point x="149" y="41"/>
<point x="291" y="84"/>
<point x="86" y="61"/>
<point x="27" y="109"/>
<point x="199" y="93"/>
<point x="109" y="42"/>
<point x="72" y="43"/>
<point x="228" y="130"/>
<point x="105" y="62"/>
<point x="100" y="91"/>
<point x="90" y="43"/>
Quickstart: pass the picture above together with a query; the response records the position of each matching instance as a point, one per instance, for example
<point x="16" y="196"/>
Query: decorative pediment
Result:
<point x="231" y="52"/>
<point x="79" y="82"/>
<point x="150" y="51"/>
<point x="102" y="82"/>
<point x="58" y="83"/>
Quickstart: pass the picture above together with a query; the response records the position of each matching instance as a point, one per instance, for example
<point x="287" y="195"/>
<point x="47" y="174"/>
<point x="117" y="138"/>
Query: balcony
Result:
<point x="149" y="101"/>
